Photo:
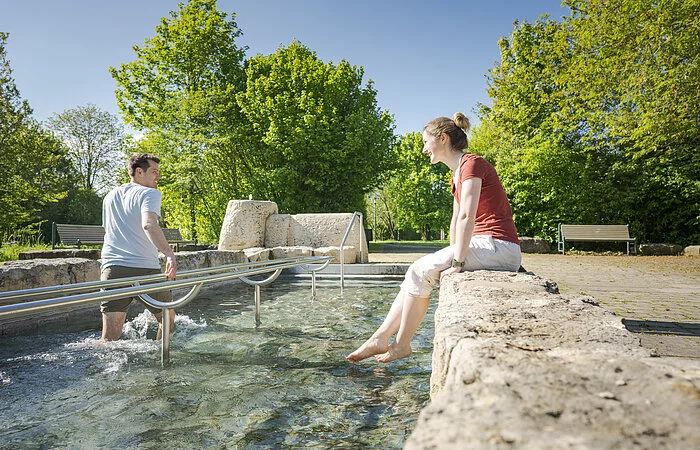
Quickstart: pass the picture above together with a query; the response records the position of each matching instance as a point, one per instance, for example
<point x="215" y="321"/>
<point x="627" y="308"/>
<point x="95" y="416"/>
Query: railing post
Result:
<point x="313" y="284"/>
<point x="257" y="305"/>
<point x="165" y="337"/>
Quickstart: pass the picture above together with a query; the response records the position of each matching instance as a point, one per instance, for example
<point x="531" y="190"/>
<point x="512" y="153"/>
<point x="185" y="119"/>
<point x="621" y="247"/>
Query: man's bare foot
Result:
<point x="372" y="346"/>
<point x="395" y="352"/>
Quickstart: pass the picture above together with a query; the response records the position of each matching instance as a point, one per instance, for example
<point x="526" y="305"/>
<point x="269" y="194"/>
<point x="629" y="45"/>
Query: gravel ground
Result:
<point x="657" y="297"/>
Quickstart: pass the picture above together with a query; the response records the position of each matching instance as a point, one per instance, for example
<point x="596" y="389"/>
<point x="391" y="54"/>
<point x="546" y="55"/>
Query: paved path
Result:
<point x="658" y="297"/>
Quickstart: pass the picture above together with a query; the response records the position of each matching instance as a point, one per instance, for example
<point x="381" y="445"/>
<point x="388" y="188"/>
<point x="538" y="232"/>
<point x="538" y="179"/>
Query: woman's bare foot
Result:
<point x="373" y="346"/>
<point x="395" y="352"/>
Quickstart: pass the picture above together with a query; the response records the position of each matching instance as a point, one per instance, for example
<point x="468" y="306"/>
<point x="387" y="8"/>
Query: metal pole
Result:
<point x="257" y="305"/>
<point x="313" y="284"/>
<point x="165" y="338"/>
<point x="374" y="228"/>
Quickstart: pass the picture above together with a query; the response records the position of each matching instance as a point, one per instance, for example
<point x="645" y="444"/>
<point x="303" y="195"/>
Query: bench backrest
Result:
<point x="86" y="234"/>
<point x="172" y="234"/>
<point x="595" y="232"/>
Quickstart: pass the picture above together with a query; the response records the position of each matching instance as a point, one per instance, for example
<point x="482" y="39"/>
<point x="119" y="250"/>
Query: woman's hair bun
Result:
<point x="461" y="121"/>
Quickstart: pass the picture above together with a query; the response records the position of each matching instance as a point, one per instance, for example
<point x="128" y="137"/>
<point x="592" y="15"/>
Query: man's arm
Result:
<point x="149" y="222"/>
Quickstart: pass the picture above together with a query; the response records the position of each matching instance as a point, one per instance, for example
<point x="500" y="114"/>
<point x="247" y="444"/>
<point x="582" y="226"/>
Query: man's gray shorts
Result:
<point x="122" y="304"/>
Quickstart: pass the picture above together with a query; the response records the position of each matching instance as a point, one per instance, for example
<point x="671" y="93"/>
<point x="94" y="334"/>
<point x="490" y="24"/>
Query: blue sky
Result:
<point x="426" y="58"/>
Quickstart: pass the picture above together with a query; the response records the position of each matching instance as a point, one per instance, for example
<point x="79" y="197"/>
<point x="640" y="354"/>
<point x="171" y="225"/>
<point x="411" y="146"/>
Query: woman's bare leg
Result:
<point x="414" y="309"/>
<point x="379" y="342"/>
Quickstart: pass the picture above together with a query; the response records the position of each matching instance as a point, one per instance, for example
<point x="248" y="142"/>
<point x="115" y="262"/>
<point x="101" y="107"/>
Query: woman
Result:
<point x="482" y="236"/>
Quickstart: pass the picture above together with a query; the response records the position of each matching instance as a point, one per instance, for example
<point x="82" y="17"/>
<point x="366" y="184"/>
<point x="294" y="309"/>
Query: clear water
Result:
<point x="284" y="384"/>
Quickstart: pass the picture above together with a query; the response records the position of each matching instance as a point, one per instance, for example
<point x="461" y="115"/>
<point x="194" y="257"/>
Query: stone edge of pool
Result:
<point x="516" y="364"/>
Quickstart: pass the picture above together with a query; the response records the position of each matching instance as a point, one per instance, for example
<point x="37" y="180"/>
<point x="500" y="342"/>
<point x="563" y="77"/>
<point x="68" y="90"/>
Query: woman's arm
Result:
<point x="463" y="220"/>
<point x="471" y="190"/>
<point x="453" y="222"/>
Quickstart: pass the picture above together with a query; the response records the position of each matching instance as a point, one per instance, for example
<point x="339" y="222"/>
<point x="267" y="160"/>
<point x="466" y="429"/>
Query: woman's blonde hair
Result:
<point x="456" y="129"/>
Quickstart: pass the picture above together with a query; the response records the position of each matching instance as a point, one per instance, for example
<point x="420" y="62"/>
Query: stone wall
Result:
<point x="517" y="365"/>
<point x="251" y="223"/>
<point x="17" y="275"/>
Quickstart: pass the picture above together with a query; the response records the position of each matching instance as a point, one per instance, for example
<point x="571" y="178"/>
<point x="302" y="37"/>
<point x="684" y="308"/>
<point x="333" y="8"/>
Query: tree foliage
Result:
<point x="95" y="142"/>
<point x="419" y="190"/>
<point x="181" y="89"/>
<point x="595" y="119"/>
<point x="285" y="127"/>
<point x="321" y="143"/>
<point x="28" y="176"/>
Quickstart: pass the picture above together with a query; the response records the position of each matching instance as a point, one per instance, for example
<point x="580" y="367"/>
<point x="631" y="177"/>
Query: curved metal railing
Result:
<point x="356" y="215"/>
<point x="128" y="287"/>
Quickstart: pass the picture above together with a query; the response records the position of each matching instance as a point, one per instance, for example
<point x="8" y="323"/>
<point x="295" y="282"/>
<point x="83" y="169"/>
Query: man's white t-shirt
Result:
<point x="126" y="244"/>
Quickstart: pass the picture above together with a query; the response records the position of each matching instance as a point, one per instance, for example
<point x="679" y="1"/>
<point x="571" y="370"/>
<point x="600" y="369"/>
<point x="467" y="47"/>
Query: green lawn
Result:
<point x="381" y="246"/>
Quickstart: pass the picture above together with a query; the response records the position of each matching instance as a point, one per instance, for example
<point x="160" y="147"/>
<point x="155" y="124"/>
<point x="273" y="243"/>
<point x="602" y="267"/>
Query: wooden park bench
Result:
<point x="69" y="234"/>
<point x="78" y="235"/>
<point x="174" y="236"/>
<point x="595" y="233"/>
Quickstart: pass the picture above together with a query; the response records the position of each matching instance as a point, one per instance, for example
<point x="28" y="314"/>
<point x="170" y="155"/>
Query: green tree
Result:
<point x="420" y="190"/>
<point x="578" y="129"/>
<point x="181" y="88"/>
<point x="28" y="179"/>
<point x="636" y="66"/>
<point x="95" y="142"/>
<point x="319" y="140"/>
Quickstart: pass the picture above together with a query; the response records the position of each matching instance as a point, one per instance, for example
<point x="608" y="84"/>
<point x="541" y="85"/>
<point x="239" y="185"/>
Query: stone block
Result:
<point x="291" y="252"/>
<point x="16" y="275"/>
<point x="186" y="260"/>
<point x="534" y="245"/>
<point x="660" y="249"/>
<point x="257" y="254"/>
<point x="327" y="230"/>
<point x="349" y="253"/>
<point x="244" y="224"/>
<point x="278" y="230"/>
<point x="215" y="258"/>
<point x="692" y="250"/>
<point x="516" y="365"/>
<point x="88" y="253"/>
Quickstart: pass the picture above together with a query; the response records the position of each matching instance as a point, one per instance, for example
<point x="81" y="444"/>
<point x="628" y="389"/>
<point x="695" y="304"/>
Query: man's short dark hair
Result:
<point x="141" y="160"/>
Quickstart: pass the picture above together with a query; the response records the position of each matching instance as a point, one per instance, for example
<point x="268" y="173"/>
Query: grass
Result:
<point x="20" y="241"/>
<point x="10" y="252"/>
<point x="379" y="246"/>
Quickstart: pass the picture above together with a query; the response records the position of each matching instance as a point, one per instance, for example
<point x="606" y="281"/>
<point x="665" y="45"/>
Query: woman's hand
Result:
<point x="448" y="271"/>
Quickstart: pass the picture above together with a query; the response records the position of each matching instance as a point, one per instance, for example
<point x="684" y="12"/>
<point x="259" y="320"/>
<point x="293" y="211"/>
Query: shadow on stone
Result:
<point x="659" y="327"/>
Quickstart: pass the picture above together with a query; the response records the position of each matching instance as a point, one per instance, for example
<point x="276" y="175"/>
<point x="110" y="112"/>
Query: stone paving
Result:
<point x="657" y="297"/>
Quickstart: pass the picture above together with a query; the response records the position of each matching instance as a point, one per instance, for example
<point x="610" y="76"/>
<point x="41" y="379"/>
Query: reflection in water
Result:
<point x="284" y="384"/>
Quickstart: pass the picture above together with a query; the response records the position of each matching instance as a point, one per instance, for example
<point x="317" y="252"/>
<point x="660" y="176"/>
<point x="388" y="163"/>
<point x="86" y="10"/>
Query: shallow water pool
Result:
<point x="284" y="384"/>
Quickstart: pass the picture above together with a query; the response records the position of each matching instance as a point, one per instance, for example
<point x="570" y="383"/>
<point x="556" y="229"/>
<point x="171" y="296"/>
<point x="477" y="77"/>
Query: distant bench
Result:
<point x="69" y="234"/>
<point x="595" y="233"/>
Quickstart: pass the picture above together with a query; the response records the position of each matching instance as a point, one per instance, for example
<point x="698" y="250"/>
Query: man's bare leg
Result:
<point x="159" y="318"/>
<point x="379" y="342"/>
<point x="112" y="325"/>
<point x="414" y="309"/>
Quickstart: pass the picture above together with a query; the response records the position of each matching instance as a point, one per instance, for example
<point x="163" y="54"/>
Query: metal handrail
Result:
<point x="10" y="297"/>
<point x="355" y="216"/>
<point x="223" y="273"/>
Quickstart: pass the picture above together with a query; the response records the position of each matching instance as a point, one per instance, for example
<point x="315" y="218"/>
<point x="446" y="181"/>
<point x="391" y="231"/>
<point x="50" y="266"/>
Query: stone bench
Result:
<point x="517" y="365"/>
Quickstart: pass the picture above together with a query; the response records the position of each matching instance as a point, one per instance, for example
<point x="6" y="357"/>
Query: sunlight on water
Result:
<point x="284" y="384"/>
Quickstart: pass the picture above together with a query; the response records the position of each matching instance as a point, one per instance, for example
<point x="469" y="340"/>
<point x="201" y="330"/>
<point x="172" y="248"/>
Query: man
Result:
<point x="133" y="237"/>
